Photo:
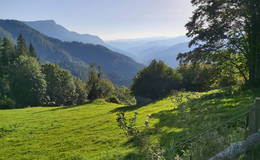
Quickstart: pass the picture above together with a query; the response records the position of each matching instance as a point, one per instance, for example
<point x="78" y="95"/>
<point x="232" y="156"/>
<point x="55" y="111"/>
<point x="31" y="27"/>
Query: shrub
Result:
<point x="6" y="102"/>
<point x="155" y="81"/>
<point x="125" y="96"/>
<point x="113" y="99"/>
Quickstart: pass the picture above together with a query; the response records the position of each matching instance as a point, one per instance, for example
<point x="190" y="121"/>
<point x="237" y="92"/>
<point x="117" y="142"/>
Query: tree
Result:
<point x="81" y="94"/>
<point x="61" y="89"/>
<point x="8" y="55"/>
<point x="107" y="88"/>
<point x="155" y="81"/>
<point x="27" y="82"/>
<point x="32" y="51"/>
<point x="7" y="58"/>
<point x="21" y="47"/>
<point x="229" y="26"/>
<point x="97" y="86"/>
<point x="93" y="83"/>
<point x="124" y="95"/>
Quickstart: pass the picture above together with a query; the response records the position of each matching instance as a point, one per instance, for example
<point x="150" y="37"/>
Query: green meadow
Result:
<point x="90" y="131"/>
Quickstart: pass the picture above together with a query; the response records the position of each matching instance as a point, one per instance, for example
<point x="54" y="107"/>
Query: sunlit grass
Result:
<point x="90" y="131"/>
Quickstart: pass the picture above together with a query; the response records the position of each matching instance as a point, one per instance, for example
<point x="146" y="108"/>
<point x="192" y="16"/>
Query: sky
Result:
<point x="108" y="19"/>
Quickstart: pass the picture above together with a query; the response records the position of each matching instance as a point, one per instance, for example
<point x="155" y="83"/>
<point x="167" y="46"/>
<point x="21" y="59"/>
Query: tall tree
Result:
<point x="8" y="54"/>
<point x="98" y="87"/>
<point x="27" y="82"/>
<point x="21" y="47"/>
<point x="226" y="25"/>
<point x="93" y="83"/>
<point x="32" y="51"/>
<point x="253" y="32"/>
<point x="60" y="85"/>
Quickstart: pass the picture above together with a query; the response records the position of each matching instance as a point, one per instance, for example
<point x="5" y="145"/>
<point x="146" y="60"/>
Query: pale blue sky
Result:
<point x="109" y="19"/>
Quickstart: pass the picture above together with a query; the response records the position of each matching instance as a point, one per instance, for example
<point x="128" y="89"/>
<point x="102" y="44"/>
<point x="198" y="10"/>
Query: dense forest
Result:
<point x="75" y="56"/>
<point x="26" y="82"/>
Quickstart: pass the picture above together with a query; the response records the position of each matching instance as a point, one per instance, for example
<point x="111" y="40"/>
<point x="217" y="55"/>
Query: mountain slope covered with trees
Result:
<point x="73" y="54"/>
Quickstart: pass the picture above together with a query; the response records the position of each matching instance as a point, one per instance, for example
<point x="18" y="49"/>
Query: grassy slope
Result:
<point x="90" y="131"/>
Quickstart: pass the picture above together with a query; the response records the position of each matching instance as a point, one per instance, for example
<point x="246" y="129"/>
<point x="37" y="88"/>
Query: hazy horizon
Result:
<point x="108" y="19"/>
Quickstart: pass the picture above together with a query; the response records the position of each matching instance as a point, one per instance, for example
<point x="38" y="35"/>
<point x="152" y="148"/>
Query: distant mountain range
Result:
<point x="54" y="43"/>
<point x="75" y="56"/>
<point x="51" y="29"/>
<point x="146" y="49"/>
<point x="142" y="50"/>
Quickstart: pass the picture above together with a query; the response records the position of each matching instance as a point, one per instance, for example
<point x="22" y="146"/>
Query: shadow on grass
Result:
<point x="194" y="116"/>
<point x="131" y="107"/>
<point x="125" y="109"/>
<point x="57" y="108"/>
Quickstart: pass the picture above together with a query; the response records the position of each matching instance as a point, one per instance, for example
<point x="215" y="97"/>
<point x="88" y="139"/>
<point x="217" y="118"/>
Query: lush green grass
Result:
<point x="90" y="131"/>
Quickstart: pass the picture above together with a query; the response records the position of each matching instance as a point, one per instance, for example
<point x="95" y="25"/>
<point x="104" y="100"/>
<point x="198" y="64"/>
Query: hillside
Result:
<point x="90" y="131"/>
<point x="51" y="29"/>
<point x="73" y="53"/>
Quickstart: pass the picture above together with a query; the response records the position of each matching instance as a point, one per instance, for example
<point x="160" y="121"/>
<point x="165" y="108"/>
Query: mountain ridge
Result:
<point x="73" y="53"/>
<point x="52" y="29"/>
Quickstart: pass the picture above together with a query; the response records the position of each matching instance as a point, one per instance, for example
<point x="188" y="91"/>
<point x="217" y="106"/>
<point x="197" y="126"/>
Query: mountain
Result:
<point x="54" y="30"/>
<point x="51" y="29"/>
<point x="146" y="49"/>
<point x="75" y="56"/>
<point x="169" y="55"/>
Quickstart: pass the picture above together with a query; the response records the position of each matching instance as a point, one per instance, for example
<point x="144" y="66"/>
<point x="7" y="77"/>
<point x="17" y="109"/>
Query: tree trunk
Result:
<point x="253" y="27"/>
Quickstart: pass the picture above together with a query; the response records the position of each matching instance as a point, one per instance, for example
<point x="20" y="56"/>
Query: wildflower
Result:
<point x="149" y="116"/>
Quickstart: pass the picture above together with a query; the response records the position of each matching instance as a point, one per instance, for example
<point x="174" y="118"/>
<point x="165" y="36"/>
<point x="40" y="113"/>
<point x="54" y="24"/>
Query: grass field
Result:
<point x="90" y="131"/>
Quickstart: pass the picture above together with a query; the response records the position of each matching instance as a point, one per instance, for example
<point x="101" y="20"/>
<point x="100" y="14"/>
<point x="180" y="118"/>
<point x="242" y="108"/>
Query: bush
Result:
<point x="155" y="81"/>
<point x="125" y="96"/>
<point x="113" y="99"/>
<point x="6" y="102"/>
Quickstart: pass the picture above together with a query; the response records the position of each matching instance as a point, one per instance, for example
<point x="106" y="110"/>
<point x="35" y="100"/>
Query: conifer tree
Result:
<point x="21" y="48"/>
<point x="7" y="53"/>
<point x="32" y="51"/>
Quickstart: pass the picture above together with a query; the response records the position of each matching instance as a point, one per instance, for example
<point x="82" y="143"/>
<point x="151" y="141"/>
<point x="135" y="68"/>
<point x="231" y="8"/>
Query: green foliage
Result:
<point x="21" y="48"/>
<point x="27" y="82"/>
<point x="61" y="89"/>
<point x="124" y="95"/>
<point x="196" y="77"/>
<point x="107" y="88"/>
<point x="74" y="56"/>
<point x="6" y="102"/>
<point x="226" y="32"/>
<point x="24" y="82"/>
<point x="98" y="87"/>
<point x="203" y="77"/>
<point x="128" y="126"/>
<point x="32" y="51"/>
<point x="21" y="77"/>
<point x="113" y="99"/>
<point x="155" y="81"/>
<point x="81" y="94"/>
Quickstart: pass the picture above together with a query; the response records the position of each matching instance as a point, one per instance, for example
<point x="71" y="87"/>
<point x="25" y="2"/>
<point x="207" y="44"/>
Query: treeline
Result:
<point x="159" y="80"/>
<point x="25" y="82"/>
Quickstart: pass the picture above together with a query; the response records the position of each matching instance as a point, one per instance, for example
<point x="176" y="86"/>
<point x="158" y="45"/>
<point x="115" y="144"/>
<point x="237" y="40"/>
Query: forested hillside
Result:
<point x="73" y="53"/>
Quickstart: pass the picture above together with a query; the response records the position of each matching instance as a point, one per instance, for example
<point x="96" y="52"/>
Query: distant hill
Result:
<point x="51" y="29"/>
<point x="145" y="49"/>
<point x="168" y="55"/>
<point x="74" y="56"/>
